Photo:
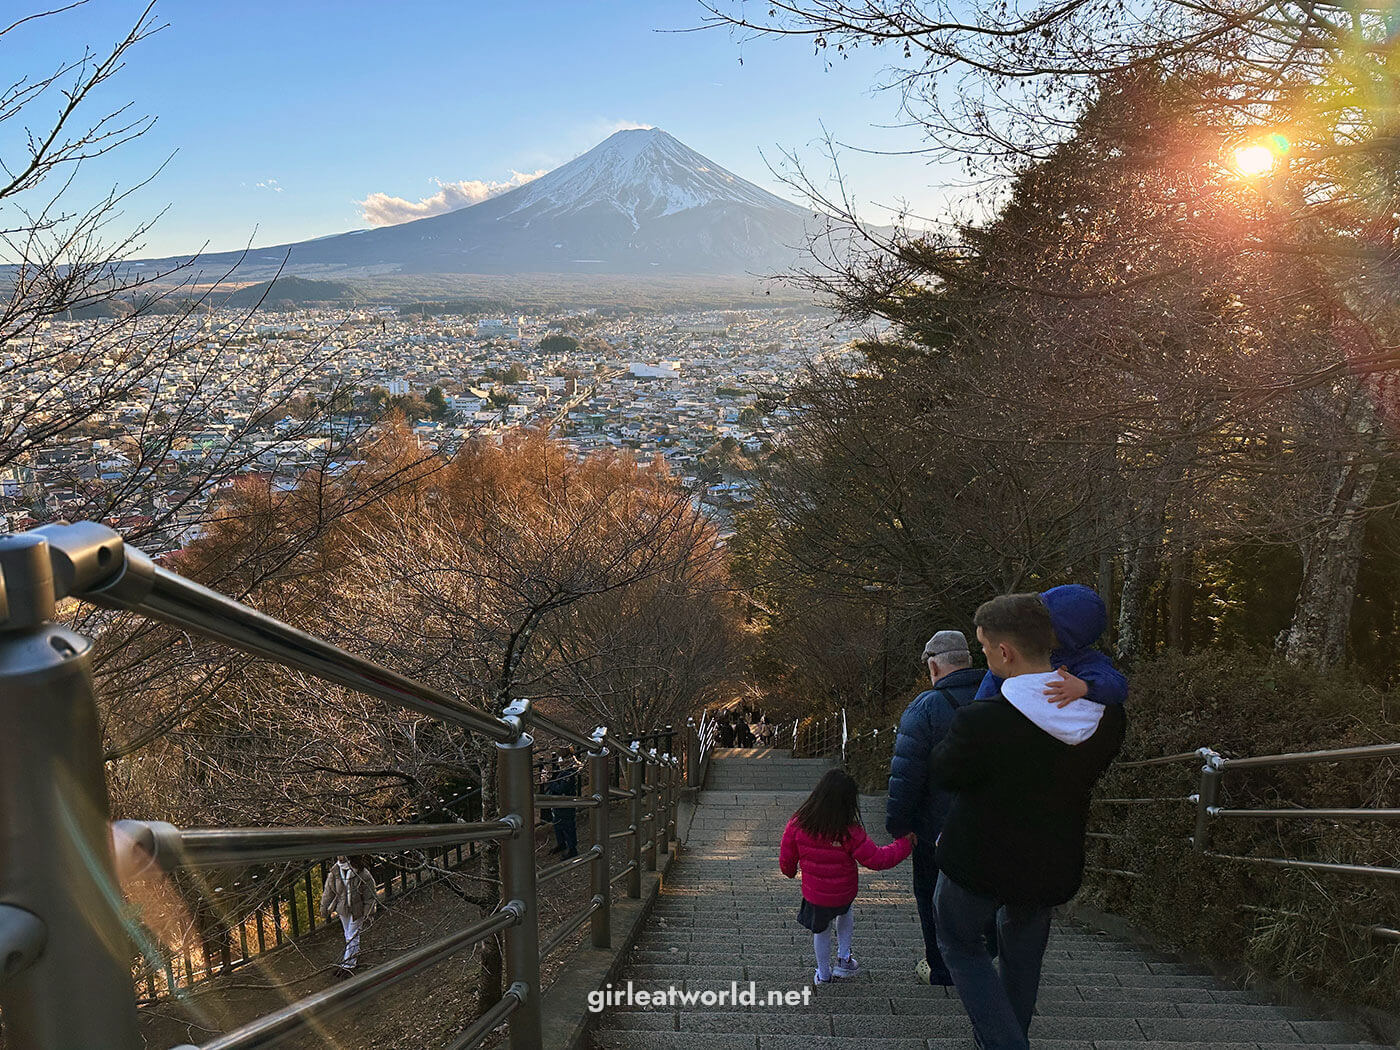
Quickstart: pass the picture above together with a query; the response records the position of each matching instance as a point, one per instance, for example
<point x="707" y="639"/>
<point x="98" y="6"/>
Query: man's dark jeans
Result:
<point x="1000" y="1005"/>
<point x="925" y="879"/>
<point x="566" y="832"/>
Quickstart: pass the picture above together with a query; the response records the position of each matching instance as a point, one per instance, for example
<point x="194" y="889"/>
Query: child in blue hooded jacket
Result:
<point x="1079" y="616"/>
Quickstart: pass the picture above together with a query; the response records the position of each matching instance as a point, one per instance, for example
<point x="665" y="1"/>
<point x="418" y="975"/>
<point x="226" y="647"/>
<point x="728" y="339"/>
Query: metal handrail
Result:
<point x="272" y="1028"/>
<point x="1364" y="870"/>
<point x="555" y="870"/>
<point x="563" y="732"/>
<point x="47" y="687"/>
<point x="1140" y="801"/>
<point x="1308" y="814"/>
<point x="173" y="847"/>
<point x="143" y="587"/>
<point x="1307" y="757"/>
<point x="511" y="1000"/>
<point x="570" y="926"/>
<point x="1207" y="812"/>
<point x="566" y="802"/>
<point x="1181" y="756"/>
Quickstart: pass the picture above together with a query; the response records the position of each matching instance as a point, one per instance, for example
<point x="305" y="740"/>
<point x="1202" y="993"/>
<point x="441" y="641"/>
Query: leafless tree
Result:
<point x="475" y="581"/>
<point x="1183" y="388"/>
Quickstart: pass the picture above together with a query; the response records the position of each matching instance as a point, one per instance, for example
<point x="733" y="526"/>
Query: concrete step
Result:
<point x="786" y="973"/>
<point x="727" y="915"/>
<point x="667" y="1039"/>
<point x="879" y="1006"/>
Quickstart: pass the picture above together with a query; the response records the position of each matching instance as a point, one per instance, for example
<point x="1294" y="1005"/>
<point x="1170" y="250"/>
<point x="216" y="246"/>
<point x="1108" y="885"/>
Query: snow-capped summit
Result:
<point x="643" y="173"/>
<point x="639" y="202"/>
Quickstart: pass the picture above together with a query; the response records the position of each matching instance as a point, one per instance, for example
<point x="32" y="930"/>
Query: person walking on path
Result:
<point x="564" y="782"/>
<point x="350" y="893"/>
<point x="825" y="840"/>
<point x="1012" y="846"/>
<point x="915" y="803"/>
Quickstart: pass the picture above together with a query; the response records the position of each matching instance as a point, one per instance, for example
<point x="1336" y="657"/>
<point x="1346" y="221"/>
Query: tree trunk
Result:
<point x="1332" y="558"/>
<point x="1142" y="561"/>
<point x="1106" y="581"/>
<point x="1180" y="595"/>
<point x="1139" y="574"/>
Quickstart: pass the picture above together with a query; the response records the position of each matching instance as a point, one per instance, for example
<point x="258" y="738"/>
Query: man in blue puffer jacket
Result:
<point x="1079" y="617"/>
<point x="914" y="804"/>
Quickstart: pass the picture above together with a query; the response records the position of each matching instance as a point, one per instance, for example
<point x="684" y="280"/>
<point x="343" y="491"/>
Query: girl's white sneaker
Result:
<point x="817" y="977"/>
<point x="846" y="967"/>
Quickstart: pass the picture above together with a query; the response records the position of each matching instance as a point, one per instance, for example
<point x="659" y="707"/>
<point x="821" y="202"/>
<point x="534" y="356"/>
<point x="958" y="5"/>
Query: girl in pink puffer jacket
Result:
<point x="826" y="840"/>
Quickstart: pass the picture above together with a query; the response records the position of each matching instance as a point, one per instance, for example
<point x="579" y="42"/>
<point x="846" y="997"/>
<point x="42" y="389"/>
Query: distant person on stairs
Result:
<point x="915" y="803"/>
<point x="1012" y="846"/>
<point x="351" y="895"/>
<point x="825" y="840"/>
<point x="562" y="779"/>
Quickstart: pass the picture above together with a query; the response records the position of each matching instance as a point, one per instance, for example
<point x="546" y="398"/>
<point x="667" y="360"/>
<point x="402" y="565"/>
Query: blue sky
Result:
<point x="282" y="116"/>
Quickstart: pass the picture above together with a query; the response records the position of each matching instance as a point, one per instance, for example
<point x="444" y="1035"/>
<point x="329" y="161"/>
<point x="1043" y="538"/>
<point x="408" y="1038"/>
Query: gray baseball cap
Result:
<point x="945" y="642"/>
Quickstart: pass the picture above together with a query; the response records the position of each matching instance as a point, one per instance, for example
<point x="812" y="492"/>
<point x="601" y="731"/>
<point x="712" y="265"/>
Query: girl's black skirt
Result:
<point x="817" y="917"/>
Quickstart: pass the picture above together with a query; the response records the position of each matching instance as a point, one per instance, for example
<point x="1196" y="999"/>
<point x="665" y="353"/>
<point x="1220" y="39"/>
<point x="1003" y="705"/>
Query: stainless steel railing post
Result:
<point x="663" y="808"/>
<point x="634" y="785"/>
<point x="654" y="800"/>
<point x="62" y="941"/>
<point x="1211" y="773"/>
<point x="673" y="801"/>
<point x="692" y="754"/>
<point x="601" y="867"/>
<point x="516" y="787"/>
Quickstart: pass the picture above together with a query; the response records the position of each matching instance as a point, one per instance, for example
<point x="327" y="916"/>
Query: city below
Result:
<point x="284" y="393"/>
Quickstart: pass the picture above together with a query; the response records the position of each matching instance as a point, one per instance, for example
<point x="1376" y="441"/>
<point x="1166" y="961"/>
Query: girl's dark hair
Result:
<point x="831" y="808"/>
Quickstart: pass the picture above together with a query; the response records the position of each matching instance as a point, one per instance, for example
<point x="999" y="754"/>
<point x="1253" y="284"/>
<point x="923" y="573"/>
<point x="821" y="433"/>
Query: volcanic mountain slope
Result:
<point x="639" y="202"/>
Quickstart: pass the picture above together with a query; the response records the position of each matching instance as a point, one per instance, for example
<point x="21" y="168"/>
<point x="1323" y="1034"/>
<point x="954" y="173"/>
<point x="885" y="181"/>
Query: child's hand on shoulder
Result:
<point x="913" y="839"/>
<point x="1067" y="690"/>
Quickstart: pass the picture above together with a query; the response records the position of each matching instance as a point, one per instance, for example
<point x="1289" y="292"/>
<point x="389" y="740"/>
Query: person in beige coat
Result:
<point x="351" y="894"/>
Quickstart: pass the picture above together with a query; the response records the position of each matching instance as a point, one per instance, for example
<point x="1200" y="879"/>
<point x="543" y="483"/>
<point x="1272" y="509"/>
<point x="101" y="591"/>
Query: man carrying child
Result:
<point x="1012" y="846"/>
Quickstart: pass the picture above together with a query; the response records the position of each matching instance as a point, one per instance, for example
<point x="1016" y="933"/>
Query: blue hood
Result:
<point x="1078" y="615"/>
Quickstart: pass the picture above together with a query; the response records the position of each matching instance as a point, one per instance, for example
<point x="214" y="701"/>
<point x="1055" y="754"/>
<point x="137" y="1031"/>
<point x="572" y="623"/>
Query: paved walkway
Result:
<point x="728" y="915"/>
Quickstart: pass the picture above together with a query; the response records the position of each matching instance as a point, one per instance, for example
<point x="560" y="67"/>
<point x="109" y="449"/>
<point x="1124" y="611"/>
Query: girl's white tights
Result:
<point x="821" y="943"/>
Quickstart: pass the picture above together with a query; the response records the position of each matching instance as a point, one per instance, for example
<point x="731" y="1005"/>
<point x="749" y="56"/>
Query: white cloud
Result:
<point x="269" y="184"/>
<point x="380" y="209"/>
<point x="625" y="125"/>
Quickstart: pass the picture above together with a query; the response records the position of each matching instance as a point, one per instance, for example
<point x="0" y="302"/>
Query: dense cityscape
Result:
<point x="700" y="389"/>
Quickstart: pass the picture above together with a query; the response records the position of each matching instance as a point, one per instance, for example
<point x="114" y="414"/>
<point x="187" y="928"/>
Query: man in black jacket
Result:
<point x="1012" y="846"/>
<point x="915" y="803"/>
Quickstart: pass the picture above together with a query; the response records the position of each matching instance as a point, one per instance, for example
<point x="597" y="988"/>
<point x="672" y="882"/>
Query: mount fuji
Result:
<point x="640" y="202"/>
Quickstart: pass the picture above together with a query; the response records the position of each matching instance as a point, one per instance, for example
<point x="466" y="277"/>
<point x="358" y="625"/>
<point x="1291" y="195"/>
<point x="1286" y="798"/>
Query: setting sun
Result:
<point x="1253" y="161"/>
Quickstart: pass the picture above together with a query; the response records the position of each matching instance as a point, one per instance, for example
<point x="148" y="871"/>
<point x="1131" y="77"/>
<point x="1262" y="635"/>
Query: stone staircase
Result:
<point x="762" y="769"/>
<point x="727" y="915"/>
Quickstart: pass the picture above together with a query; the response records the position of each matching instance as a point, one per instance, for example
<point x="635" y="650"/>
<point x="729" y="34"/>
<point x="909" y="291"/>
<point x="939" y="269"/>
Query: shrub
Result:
<point x="1303" y="926"/>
